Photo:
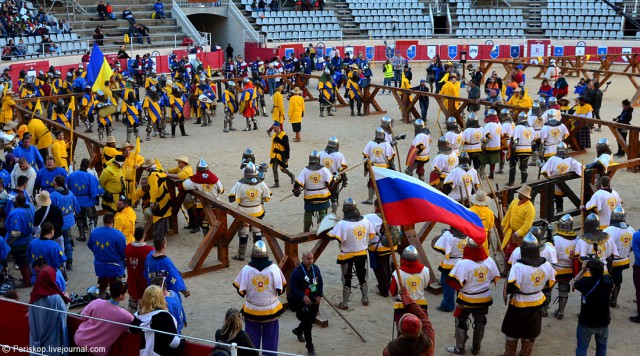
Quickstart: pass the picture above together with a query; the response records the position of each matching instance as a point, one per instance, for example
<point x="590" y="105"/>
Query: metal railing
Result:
<point x="248" y="29"/>
<point x="449" y="19"/>
<point x="212" y="3"/>
<point x="184" y="21"/>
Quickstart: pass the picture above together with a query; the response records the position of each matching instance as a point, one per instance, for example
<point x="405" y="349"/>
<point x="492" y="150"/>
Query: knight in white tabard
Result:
<point x="380" y="154"/>
<point x="453" y="135"/>
<point x="558" y="165"/>
<point x="421" y="144"/>
<point x="564" y="241"/>
<point x="603" y="201"/>
<point x="443" y="164"/>
<point x="621" y="234"/>
<point x="335" y="162"/>
<point x="463" y="180"/>
<point x="205" y="181"/>
<point x="594" y="243"/>
<point x="415" y="277"/>
<point x="472" y="139"/>
<point x="552" y="134"/>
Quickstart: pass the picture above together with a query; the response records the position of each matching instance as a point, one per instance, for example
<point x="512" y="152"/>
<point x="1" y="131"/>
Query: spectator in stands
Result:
<point x="51" y="19"/>
<point x="45" y="44"/>
<point x="187" y="41"/>
<point x="98" y="35"/>
<point x="254" y="6"/>
<point x="262" y="5"/>
<point x="11" y="45"/>
<point x="128" y="15"/>
<point x="231" y="332"/>
<point x="63" y="26"/>
<point x="6" y="53"/>
<point x="143" y="31"/>
<point x="298" y="5"/>
<point x="85" y="58"/>
<point x="159" y="8"/>
<point x="97" y="333"/>
<point x="102" y="11"/>
<point x="153" y="314"/>
<point x="273" y="5"/>
<point x="122" y="53"/>
<point x="109" y="8"/>
<point x="48" y="328"/>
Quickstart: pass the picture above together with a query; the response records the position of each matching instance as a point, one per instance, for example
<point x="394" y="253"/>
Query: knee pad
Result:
<point x="563" y="289"/>
<point x="244" y="230"/>
<point x="244" y="239"/>
<point x="479" y="320"/>
<point x="523" y="164"/>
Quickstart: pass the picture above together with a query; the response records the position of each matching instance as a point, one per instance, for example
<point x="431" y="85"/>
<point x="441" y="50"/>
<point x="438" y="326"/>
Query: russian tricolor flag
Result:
<point x="407" y="200"/>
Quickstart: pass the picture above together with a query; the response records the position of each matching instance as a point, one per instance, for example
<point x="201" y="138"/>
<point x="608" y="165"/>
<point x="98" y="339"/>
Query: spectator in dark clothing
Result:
<point x="98" y="35"/>
<point x="143" y="31"/>
<point x="229" y="51"/>
<point x="102" y="10"/>
<point x="407" y="72"/>
<point x="49" y="213"/>
<point x="417" y="336"/>
<point x="231" y="332"/>
<point x="624" y="118"/>
<point x="594" y="316"/>
<point x="305" y="297"/>
<point x="128" y="15"/>
<point x="262" y="5"/>
<point x="474" y="93"/>
<point x="424" y="100"/>
<point x="596" y="102"/>
<point x="122" y="53"/>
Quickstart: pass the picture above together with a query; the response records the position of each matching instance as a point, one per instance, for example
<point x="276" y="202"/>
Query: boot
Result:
<point x="478" y="335"/>
<point x="204" y="123"/>
<point x="264" y="112"/>
<point x="527" y="347"/>
<point x="369" y="201"/>
<point x="421" y="177"/>
<point x="461" y="338"/>
<point x="198" y="121"/>
<point x="329" y="113"/>
<point x="613" y="302"/>
<point x="364" y="288"/>
<point x="182" y="131"/>
<point x="562" y="302"/>
<point x="321" y="112"/>
<point x="209" y="121"/>
<point x="512" y="176"/>
<point x="346" y="293"/>
<point x="523" y="177"/>
<point x="510" y="347"/>
<point x="173" y="130"/>
<point x="500" y="167"/>
<point x="26" y="275"/>
<point x="545" y="309"/>
<point x="276" y="184"/>
<point x="292" y="177"/>
<point x="255" y="125"/>
<point x="534" y="158"/>
<point x="242" y="248"/>
<point x="481" y="173"/>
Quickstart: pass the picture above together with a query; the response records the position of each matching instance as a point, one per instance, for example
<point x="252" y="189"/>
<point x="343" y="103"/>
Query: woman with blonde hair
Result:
<point x="231" y="332"/>
<point x="153" y="314"/>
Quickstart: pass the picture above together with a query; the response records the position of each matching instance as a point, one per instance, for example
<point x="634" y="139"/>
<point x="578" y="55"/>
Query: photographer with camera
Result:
<point x="594" y="316"/>
<point x="624" y="118"/>
<point x="305" y="297"/>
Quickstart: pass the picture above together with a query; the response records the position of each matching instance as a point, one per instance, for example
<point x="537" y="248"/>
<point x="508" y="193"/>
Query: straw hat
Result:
<point x="148" y="163"/>
<point x="480" y="198"/>
<point x="517" y="90"/>
<point x="183" y="159"/>
<point x="297" y="90"/>
<point x="9" y="125"/>
<point x="126" y="145"/>
<point x="111" y="139"/>
<point x="43" y="198"/>
<point x="525" y="190"/>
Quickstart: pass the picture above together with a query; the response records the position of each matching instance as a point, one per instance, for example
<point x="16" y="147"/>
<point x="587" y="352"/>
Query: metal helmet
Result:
<point x="542" y="102"/>
<point x="248" y="156"/>
<point x="410" y="253"/>
<point x="58" y="74"/>
<point x="202" y="165"/>
<point x="464" y="160"/>
<point x="419" y="125"/>
<point x="565" y="224"/>
<point x="491" y="112"/>
<point x="551" y="114"/>
<point x="452" y="123"/>
<point x="314" y="158"/>
<point x="592" y="223"/>
<point x="250" y="171"/>
<point x="245" y="80"/>
<point x="561" y="150"/>
<point x="60" y="102"/>
<point x="472" y="121"/>
<point x="618" y="217"/>
<point x="349" y="205"/>
<point x="602" y="146"/>
<point x="522" y="118"/>
<point x="259" y="249"/>
<point x="333" y="142"/>
<point x="379" y="134"/>
<point x="231" y="84"/>
<point x="535" y="109"/>
<point x="537" y="232"/>
<point x="386" y="122"/>
<point x="443" y="144"/>
<point x="505" y="114"/>
<point x="530" y="248"/>
<point x="553" y="101"/>
<point x="471" y="243"/>
<point x="203" y="81"/>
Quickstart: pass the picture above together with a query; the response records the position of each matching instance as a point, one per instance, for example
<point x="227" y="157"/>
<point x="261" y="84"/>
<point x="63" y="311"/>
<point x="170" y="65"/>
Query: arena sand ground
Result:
<point x="212" y="293"/>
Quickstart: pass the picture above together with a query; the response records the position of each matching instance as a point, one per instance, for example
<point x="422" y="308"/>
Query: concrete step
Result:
<point x="120" y="31"/>
<point x="82" y="25"/>
<point x="168" y="40"/>
<point x="140" y="16"/>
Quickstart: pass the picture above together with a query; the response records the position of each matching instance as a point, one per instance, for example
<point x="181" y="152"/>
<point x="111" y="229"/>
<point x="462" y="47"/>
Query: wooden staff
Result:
<point x="495" y="200"/>
<point x="345" y="171"/>
<point x="345" y="319"/>
<point x="582" y="198"/>
<point x="386" y="226"/>
<point x="71" y="165"/>
<point x="393" y="133"/>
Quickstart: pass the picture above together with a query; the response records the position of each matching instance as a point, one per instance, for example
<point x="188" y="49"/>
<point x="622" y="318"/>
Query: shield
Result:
<point x="389" y="52"/>
<point x="289" y="52"/>
<point x="432" y="51"/>
<point x="349" y="50"/>
<point x="327" y="223"/>
<point x="558" y="51"/>
<point x="411" y="156"/>
<point x="452" y="51"/>
<point x="369" y="52"/>
<point x="626" y="50"/>
<point x="412" y="51"/>
<point x="495" y="52"/>
<point x="602" y="51"/>
<point x="515" y="51"/>
<point x="330" y="52"/>
<point x="205" y="99"/>
<point x="107" y="110"/>
<point x="187" y="110"/>
<point x="473" y="52"/>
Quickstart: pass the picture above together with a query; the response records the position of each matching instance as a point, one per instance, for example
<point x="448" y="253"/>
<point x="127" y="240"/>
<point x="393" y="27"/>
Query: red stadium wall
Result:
<point x="14" y="331"/>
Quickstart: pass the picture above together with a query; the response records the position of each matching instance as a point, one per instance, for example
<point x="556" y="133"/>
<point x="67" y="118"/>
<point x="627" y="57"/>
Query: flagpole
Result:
<point x="71" y="148"/>
<point x="384" y="223"/>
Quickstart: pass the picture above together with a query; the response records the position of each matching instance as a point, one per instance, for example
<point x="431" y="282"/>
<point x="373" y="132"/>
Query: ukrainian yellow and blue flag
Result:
<point x="98" y="70"/>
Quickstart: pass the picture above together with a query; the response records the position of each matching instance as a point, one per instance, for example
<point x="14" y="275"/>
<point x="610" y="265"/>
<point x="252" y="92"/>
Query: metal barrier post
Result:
<point x="234" y="349"/>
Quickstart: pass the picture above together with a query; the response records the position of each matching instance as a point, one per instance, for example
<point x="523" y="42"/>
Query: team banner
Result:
<point x="432" y="51"/>
<point x="473" y="52"/>
<point x="495" y="52"/>
<point x="515" y="51"/>
<point x="453" y="52"/>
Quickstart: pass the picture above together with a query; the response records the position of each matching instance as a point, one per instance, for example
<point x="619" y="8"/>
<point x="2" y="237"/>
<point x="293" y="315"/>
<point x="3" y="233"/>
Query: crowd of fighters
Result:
<point x="536" y="260"/>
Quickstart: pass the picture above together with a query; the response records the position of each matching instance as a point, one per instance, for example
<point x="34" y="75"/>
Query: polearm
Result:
<point x="396" y="148"/>
<point x="345" y="319"/>
<point x="582" y="198"/>
<point x="343" y="172"/>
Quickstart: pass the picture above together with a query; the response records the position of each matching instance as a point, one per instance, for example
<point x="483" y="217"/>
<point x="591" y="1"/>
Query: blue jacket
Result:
<point x="20" y="219"/>
<point x="6" y="177"/>
<point x="11" y="201"/>
<point x="174" y="304"/>
<point x="68" y="204"/>
<point x="47" y="249"/>
<point x="4" y="250"/>
<point x="45" y="177"/>
<point x="86" y="188"/>
<point x="161" y="266"/>
<point x="31" y="154"/>
<point x="336" y="62"/>
<point x="107" y="245"/>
